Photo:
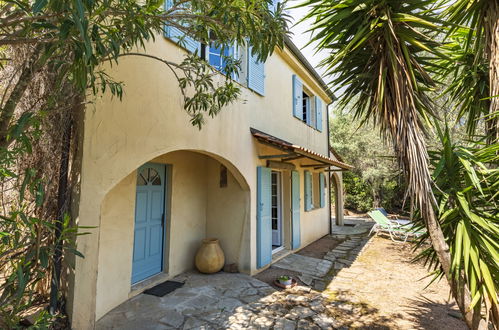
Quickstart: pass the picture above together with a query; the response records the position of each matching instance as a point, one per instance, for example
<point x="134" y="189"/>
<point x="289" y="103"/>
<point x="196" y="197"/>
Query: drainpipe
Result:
<point x="329" y="174"/>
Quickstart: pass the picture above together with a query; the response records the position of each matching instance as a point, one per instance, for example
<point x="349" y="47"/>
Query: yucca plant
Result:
<point x="468" y="81"/>
<point x="482" y="40"/>
<point x="381" y="56"/>
<point x="467" y="191"/>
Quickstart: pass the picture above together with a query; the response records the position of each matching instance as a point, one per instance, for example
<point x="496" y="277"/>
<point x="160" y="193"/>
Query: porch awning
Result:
<point x="293" y="151"/>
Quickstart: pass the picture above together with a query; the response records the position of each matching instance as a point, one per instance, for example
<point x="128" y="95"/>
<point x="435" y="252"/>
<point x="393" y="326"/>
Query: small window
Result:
<point x="306" y="107"/>
<point x="308" y="110"/>
<point x="148" y="177"/>
<point x="314" y="190"/>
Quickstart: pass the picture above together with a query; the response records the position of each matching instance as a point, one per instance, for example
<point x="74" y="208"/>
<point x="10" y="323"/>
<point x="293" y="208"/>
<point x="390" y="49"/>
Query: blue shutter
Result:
<point x="318" y="113"/>
<point x="297" y="98"/>
<point x="295" y="210"/>
<point x="178" y="36"/>
<point x="256" y="73"/>
<point x="322" y="182"/>
<point x="308" y="191"/>
<point x="263" y="217"/>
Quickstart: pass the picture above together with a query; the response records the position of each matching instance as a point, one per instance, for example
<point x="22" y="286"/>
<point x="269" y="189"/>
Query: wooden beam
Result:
<point x="315" y="165"/>
<point x="276" y="156"/>
<point x="280" y="165"/>
<point x="293" y="158"/>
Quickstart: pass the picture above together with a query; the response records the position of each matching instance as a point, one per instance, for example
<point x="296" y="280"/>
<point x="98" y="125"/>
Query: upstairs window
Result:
<point x="176" y="35"/>
<point x="217" y="56"/>
<point x="306" y="106"/>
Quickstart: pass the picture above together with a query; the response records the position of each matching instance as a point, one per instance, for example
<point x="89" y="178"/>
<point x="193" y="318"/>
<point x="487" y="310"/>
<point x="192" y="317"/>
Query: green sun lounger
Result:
<point x="397" y="232"/>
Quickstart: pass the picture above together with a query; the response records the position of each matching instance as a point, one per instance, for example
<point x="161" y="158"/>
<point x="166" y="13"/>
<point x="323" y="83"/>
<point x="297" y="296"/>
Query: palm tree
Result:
<point x="381" y="58"/>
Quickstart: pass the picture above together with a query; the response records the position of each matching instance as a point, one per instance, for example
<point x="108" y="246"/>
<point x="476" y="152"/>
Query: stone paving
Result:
<point x="313" y="271"/>
<point x="354" y="227"/>
<point x="238" y="301"/>
<point x="205" y="301"/>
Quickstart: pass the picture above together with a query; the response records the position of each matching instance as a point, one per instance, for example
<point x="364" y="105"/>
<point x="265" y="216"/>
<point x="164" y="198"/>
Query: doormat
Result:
<point x="166" y="287"/>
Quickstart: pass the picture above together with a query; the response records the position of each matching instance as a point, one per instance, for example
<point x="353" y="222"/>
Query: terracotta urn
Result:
<point x="210" y="257"/>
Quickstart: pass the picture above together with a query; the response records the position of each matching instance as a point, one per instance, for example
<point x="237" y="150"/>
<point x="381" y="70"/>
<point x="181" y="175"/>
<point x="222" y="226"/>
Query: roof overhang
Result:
<point x="309" y="67"/>
<point x="293" y="151"/>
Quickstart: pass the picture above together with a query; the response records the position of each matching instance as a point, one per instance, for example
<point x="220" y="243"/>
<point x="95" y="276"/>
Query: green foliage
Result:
<point x="67" y="45"/>
<point x="371" y="44"/>
<point x="76" y="37"/>
<point x="472" y="24"/>
<point x="467" y="193"/>
<point x="386" y="60"/>
<point x="375" y="179"/>
<point x="27" y="243"/>
<point x="468" y="84"/>
<point x="358" y="193"/>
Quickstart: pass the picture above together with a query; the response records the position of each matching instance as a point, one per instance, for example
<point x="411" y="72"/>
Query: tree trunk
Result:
<point x="7" y="111"/>
<point x="61" y="209"/>
<point x="375" y="194"/>
<point x="461" y="294"/>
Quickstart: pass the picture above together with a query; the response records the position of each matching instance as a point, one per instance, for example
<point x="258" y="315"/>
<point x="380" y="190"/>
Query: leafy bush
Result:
<point x="375" y="179"/>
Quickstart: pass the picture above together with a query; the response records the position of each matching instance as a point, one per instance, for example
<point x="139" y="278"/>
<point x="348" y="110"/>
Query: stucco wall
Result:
<point x="198" y="208"/>
<point x="119" y="136"/>
<point x="187" y="221"/>
<point x="116" y="234"/>
<point x="227" y="216"/>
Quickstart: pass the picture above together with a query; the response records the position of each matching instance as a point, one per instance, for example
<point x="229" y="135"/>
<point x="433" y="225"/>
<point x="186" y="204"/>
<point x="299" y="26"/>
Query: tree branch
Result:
<point x="22" y="84"/>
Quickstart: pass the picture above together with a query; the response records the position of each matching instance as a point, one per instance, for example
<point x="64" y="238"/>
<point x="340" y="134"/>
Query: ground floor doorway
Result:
<point x="276" y="212"/>
<point x="149" y="224"/>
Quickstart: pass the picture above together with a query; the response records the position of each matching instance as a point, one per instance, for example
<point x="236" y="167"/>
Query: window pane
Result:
<point x="141" y="181"/>
<point x="215" y="60"/>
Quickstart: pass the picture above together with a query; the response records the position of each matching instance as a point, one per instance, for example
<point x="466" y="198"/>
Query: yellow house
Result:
<point x="153" y="186"/>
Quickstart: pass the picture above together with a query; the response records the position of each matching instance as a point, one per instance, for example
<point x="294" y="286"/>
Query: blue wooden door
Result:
<point x="295" y="209"/>
<point x="149" y="221"/>
<point x="263" y="217"/>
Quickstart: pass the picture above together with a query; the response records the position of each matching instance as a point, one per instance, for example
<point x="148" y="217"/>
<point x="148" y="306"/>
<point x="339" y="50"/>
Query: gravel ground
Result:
<point x="384" y="290"/>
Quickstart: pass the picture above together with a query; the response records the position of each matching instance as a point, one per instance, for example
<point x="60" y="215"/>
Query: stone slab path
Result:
<point x="239" y="301"/>
<point x="223" y="301"/>
<point x="204" y="300"/>
<point x="313" y="267"/>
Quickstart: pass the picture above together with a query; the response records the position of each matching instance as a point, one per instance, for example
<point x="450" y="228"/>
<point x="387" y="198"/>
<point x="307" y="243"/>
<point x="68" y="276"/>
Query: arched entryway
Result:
<point x="153" y="221"/>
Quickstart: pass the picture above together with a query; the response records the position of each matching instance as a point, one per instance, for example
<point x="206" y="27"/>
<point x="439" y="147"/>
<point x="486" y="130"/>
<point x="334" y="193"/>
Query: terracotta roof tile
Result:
<point x="288" y="146"/>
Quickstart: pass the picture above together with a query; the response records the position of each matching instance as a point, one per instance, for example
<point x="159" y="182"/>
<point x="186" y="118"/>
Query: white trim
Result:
<point x="278" y="249"/>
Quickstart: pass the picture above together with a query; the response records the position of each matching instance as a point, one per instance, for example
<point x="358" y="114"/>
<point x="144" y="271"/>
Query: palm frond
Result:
<point x="466" y="191"/>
